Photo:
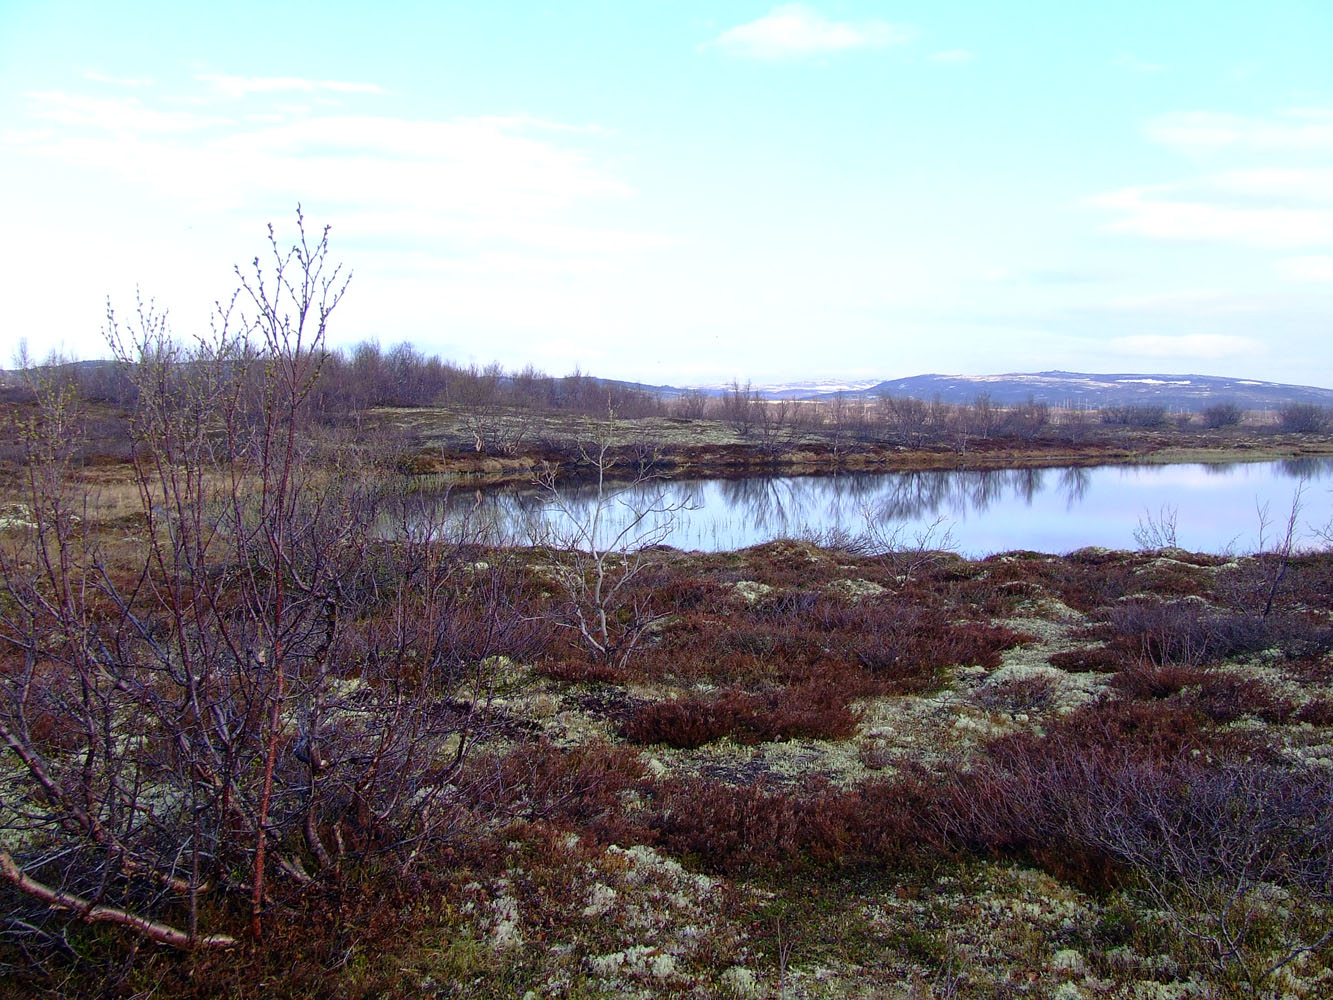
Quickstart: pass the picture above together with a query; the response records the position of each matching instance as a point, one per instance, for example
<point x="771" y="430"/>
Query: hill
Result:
<point x="1076" y="389"/>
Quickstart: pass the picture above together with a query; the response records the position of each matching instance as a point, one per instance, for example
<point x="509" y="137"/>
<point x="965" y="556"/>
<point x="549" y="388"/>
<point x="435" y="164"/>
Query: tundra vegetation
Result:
<point x="269" y="727"/>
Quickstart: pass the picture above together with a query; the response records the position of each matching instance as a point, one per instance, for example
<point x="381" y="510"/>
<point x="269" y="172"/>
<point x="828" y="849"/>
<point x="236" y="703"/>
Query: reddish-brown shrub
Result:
<point x="1226" y="697"/>
<point x="1309" y="580"/>
<point x="1049" y="798"/>
<point x="791" y="606"/>
<point x="1007" y="582"/>
<point x="577" y="669"/>
<point x="1173" y="578"/>
<point x="981" y="645"/>
<point x="725" y="828"/>
<point x="786" y="563"/>
<point x="893" y="643"/>
<point x="1017" y="694"/>
<point x="1179" y="815"/>
<point x="1318" y="712"/>
<point x="898" y="820"/>
<point x="905" y="646"/>
<point x="1147" y="680"/>
<point x="582" y="785"/>
<point x="802" y="711"/>
<point x="1095" y="659"/>
<point x="732" y="829"/>
<point x="1189" y="631"/>
<point x="679" y="593"/>
<point x="1118" y="726"/>
<point x="1089" y="579"/>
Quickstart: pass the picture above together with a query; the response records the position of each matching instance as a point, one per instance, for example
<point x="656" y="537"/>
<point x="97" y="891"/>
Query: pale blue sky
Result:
<point x="686" y="191"/>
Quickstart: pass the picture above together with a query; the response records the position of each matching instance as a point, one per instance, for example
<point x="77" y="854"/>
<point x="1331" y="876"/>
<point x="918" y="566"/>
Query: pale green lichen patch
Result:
<point x="853" y="589"/>
<point x="16" y="517"/>
<point x="788" y="764"/>
<point x="751" y="591"/>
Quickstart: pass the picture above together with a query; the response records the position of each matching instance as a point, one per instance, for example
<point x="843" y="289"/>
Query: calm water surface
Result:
<point x="1215" y="508"/>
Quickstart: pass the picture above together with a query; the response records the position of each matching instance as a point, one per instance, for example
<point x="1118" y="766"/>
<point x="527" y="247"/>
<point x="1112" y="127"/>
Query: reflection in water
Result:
<point x="916" y="495"/>
<point x="991" y="510"/>
<point x="1074" y="483"/>
<point x="1306" y="468"/>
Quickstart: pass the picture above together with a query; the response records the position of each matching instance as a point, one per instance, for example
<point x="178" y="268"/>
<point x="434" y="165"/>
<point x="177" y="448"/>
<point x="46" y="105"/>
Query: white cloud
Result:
<point x="1131" y="62"/>
<point x="112" y="114"/>
<point x="501" y="186"/>
<point x="952" y="57"/>
<point x="1208" y="346"/>
<point x="242" y="86"/>
<point x="1314" y="184"/>
<point x="496" y="226"/>
<point x="1168" y="213"/>
<point x="1307" y="269"/>
<point x="118" y="81"/>
<point x="1286" y="203"/>
<point x="468" y="167"/>
<point x="794" y="30"/>
<point x="1290" y="130"/>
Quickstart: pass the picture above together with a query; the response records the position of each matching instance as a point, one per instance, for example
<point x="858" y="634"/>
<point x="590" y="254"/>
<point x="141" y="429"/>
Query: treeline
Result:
<point x="354" y="380"/>
<point x="368" y="376"/>
<point x="504" y="410"/>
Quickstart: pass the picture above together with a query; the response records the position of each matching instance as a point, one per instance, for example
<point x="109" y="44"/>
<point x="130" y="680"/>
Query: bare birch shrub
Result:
<point x="1235" y="855"/>
<point x="599" y="546"/>
<point x="273" y="681"/>
<point x="1238" y="858"/>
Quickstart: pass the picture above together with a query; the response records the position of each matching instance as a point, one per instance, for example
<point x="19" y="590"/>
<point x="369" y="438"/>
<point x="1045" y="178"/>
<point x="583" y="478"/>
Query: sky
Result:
<point x="674" y="191"/>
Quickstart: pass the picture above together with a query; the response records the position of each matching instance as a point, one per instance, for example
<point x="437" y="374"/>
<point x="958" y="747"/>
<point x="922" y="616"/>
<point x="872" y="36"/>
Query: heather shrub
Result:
<point x="1090" y="659"/>
<point x="802" y="711"/>
<point x="1188" y="631"/>
<point x="789" y="607"/>
<point x="752" y="828"/>
<point x="886" y="643"/>
<point x="789" y="563"/>
<point x="905" y="646"/>
<point x="1225" y="698"/>
<point x="1237" y="857"/>
<point x="1089" y="578"/>
<point x="540" y="782"/>
<point x="1299" y="636"/>
<point x="1017" y="694"/>
<point x="575" y="668"/>
<point x="1317" y="712"/>
<point x="1007" y="583"/>
<point x="1119" y="726"/>
<point x="727" y="828"/>
<point x="683" y="593"/>
<point x="1115" y="784"/>
<point x="1172" y="578"/>
<point x="1147" y="680"/>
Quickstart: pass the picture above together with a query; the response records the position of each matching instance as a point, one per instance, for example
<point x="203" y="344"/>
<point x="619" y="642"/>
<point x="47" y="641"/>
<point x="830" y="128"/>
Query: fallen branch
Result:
<point x="97" y="913"/>
<point x="82" y="818"/>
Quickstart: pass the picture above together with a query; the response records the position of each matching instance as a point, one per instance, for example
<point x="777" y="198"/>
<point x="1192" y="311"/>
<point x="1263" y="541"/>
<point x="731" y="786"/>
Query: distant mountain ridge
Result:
<point x="1060" y="388"/>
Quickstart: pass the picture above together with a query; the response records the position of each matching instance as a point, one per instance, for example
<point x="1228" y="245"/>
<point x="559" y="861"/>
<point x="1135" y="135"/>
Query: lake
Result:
<point x="1236" y="507"/>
